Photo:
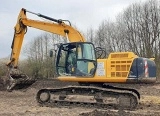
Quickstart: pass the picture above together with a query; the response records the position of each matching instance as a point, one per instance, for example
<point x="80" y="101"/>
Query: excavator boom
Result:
<point x="23" y="22"/>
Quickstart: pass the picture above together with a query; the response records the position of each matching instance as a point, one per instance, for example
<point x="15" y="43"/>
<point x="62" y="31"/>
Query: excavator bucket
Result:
<point x="18" y="80"/>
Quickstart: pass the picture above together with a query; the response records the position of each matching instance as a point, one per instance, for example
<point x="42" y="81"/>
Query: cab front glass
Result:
<point x="76" y="59"/>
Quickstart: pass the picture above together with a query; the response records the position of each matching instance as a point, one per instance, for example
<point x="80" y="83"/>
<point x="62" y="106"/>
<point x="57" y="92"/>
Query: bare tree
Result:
<point x="37" y="52"/>
<point x="90" y="35"/>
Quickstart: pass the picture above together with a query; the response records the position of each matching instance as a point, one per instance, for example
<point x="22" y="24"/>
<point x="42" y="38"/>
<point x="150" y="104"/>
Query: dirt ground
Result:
<point x="18" y="103"/>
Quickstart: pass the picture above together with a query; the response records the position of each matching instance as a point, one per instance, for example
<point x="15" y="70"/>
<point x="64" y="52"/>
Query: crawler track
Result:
<point x="125" y="98"/>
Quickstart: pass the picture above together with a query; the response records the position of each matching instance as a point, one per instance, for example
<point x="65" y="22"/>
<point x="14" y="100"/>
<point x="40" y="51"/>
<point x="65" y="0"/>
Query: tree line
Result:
<point x="136" y="29"/>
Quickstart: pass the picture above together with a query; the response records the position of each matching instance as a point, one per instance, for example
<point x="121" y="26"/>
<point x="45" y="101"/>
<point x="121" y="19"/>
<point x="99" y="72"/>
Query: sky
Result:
<point x="83" y="13"/>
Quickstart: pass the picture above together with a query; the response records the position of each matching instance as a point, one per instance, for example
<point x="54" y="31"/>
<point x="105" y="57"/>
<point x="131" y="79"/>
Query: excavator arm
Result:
<point x="59" y="27"/>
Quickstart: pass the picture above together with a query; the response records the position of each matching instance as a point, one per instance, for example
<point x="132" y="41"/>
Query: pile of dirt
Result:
<point x="100" y="113"/>
<point x="51" y="83"/>
<point x="40" y="83"/>
<point x="118" y="113"/>
<point x="2" y="83"/>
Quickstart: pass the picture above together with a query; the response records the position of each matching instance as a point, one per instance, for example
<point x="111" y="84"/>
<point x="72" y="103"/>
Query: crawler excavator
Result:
<point x="77" y="61"/>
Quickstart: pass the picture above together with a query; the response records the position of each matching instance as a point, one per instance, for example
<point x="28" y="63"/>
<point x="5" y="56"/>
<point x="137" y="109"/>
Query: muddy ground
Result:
<point x="23" y="102"/>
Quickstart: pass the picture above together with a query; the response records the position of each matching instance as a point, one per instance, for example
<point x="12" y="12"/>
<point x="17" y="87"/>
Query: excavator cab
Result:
<point x="76" y="59"/>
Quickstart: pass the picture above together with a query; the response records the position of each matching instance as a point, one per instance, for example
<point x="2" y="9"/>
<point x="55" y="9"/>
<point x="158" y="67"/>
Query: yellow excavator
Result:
<point x="77" y="61"/>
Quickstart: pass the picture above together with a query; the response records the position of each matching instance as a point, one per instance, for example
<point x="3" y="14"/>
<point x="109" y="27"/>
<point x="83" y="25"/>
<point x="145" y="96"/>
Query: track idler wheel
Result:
<point x="43" y="96"/>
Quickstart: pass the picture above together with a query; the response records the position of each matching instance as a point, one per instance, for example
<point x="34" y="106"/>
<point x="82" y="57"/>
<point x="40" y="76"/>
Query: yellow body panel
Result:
<point x="114" y="69"/>
<point x="91" y="79"/>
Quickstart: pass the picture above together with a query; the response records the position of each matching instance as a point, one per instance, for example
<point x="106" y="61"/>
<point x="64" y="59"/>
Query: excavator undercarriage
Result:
<point x="103" y="97"/>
